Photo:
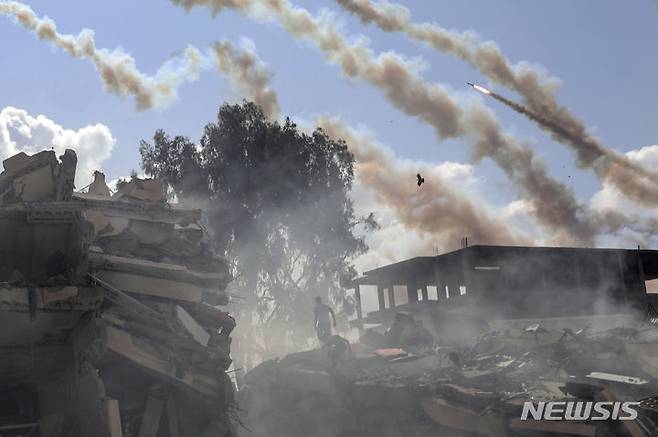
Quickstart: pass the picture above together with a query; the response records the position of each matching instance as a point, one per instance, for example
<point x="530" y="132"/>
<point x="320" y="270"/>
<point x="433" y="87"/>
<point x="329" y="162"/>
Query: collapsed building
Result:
<point x="482" y="341"/>
<point x="109" y="309"/>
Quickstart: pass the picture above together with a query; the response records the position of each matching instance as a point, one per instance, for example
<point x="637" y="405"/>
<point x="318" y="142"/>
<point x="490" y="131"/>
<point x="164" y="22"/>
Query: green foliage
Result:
<point x="277" y="203"/>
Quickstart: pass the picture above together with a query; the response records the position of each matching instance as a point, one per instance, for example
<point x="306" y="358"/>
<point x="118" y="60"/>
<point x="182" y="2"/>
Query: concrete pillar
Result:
<point x="380" y="297"/>
<point x="412" y="291"/>
<point x="391" y="296"/>
<point x="640" y="267"/>
<point x="357" y="298"/>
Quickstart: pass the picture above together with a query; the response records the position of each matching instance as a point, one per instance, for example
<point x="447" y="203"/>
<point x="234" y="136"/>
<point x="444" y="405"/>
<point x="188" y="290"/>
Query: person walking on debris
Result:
<point x="322" y="323"/>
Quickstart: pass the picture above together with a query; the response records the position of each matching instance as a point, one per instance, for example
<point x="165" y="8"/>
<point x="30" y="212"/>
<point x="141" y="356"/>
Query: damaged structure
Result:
<point x="511" y="281"/>
<point x="479" y="342"/>
<point x="109" y="309"/>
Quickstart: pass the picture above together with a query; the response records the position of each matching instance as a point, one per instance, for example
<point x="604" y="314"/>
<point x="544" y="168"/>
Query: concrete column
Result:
<point x="357" y="298"/>
<point x="380" y="297"/>
<point x="391" y="296"/>
<point x="412" y="291"/>
<point x="423" y="291"/>
<point x="438" y="282"/>
<point x="640" y="267"/>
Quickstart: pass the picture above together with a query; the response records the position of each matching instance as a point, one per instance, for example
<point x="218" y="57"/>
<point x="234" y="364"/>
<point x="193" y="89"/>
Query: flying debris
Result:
<point x="421" y="179"/>
<point x="482" y="89"/>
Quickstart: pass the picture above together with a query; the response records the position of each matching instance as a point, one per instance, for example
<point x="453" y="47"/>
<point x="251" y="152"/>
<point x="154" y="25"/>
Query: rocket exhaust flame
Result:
<point x="482" y="89"/>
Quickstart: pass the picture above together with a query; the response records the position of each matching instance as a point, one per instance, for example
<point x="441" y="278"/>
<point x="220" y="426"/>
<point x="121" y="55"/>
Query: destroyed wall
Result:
<point x="42" y="237"/>
<point x="108" y="308"/>
<point x="168" y="345"/>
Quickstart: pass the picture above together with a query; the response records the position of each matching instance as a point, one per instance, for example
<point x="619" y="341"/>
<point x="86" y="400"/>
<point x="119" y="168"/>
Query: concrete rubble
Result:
<point x="110" y="319"/>
<point x="111" y="326"/>
<point x="470" y="389"/>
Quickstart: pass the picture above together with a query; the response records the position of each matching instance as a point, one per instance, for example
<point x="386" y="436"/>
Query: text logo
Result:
<point x="579" y="410"/>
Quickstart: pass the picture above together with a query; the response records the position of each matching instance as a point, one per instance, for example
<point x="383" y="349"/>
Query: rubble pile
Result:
<point x="109" y="309"/>
<point x="475" y="390"/>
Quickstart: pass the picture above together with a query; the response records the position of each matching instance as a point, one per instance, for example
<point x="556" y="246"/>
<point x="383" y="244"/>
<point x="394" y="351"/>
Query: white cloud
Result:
<point x="609" y="199"/>
<point x="22" y="132"/>
<point x="646" y="156"/>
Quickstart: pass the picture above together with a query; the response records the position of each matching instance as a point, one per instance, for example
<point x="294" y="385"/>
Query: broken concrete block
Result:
<point x="65" y="174"/>
<point x="378" y="394"/>
<point x="151" y="232"/>
<point x="36" y="185"/>
<point x="113" y="418"/>
<point x="452" y="416"/>
<point x="150" y="358"/>
<point x="553" y="427"/>
<point x="151" y="419"/>
<point x="98" y="186"/>
<point x="192" y="327"/>
<point x="172" y="417"/>
<point x="38" y="177"/>
<point x="307" y="380"/>
<point x="16" y="162"/>
<point x="150" y="190"/>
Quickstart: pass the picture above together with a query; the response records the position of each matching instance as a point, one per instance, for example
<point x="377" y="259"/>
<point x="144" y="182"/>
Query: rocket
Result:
<point x="482" y="89"/>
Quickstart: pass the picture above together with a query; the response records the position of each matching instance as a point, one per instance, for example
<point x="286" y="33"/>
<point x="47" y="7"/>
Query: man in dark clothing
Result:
<point x="322" y="322"/>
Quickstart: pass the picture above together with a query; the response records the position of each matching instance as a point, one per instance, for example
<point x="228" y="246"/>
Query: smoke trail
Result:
<point x="248" y="73"/>
<point x="483" y="56"/>
<point x="553" y="202"/>
<point x="618" y="170"/>
<point x="436" y="208"/>
<point x="120" y="75"/>
<point x="538" y="90"/>
<point x="117" y="69"/>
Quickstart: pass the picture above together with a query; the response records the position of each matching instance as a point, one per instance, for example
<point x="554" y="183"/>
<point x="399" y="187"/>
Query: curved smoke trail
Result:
<point x="621" y="175"/>
<point x="437" y="209"/>
<point x="117" y="69"/>
<point x="552" y="202"/>
<point x="538" y="90"/>
<point x="247" y="73"/>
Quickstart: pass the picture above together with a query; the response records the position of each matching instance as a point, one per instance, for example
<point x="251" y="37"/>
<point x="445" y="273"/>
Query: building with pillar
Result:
<point x="511" y="282"/>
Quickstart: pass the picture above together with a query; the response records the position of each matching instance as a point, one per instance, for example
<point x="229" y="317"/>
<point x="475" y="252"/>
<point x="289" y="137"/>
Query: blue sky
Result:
<point x="604" y="51"/>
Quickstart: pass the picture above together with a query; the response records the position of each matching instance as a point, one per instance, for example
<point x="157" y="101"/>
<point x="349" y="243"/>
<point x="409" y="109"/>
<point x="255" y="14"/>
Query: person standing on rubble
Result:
<point x="322" y="322"/>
